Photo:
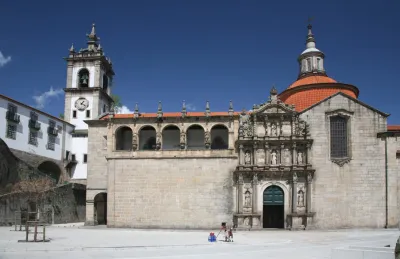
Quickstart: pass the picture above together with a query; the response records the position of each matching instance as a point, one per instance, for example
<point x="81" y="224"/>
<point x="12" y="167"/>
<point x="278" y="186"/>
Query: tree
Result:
<point x="61" y="116"/>
<point x="116" y="105"/>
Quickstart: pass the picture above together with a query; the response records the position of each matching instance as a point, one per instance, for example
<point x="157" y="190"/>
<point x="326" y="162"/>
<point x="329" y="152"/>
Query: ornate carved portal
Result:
<point x="273" y="150"/>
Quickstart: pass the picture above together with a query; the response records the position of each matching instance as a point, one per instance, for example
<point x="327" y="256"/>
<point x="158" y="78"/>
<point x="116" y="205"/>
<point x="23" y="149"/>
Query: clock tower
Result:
<point x="89" y="81"/>
<point x="87" y="95"/>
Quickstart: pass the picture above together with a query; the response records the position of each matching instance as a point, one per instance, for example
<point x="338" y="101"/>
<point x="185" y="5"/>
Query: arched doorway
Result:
<point x="100" y="208"/>
<point x="51" y="169"/>
<point x="273" y="207"/>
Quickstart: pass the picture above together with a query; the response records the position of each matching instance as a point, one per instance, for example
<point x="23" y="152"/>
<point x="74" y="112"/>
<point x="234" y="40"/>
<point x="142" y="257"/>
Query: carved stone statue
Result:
<point x="299" y="158"/>
<point x="247" y="157"/>
<point x="273" y="130"/>
<point x="300" y="198"/>
<point x="183" y="137"/>
<point x="245" y="127"/>
<point x="247" y="199"/>
<point x="207" y="137"/>
<point x="273" y="158"/>
<point x="134" y="141"/>
<point x="246" y="221"/>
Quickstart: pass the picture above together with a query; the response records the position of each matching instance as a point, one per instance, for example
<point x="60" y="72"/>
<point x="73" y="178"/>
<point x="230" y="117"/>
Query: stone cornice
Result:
<point x="88" y="90"/>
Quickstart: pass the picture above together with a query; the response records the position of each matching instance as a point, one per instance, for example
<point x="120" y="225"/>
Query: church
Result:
<point x="312" y="156"/>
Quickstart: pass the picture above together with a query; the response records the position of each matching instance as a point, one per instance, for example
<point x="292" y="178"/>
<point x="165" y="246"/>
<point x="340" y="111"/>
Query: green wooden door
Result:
<point x="273" y="195"/>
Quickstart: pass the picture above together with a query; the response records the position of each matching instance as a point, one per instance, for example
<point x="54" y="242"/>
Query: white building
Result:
<point x="36" y="137"/>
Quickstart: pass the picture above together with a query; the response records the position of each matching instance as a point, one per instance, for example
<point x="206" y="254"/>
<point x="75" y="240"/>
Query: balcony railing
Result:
<point x="33" y="124"/>
<point x="12" y="116"/>
<point x="52" y="131"/>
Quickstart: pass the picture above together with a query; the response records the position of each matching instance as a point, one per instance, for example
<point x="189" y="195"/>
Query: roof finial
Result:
<point x="273" y="90"/>
<point x="159" y="110"/>
<point x="230" y="110"/>
<point x="310" y="36"/>
<point x="184" y="112"/>
<point x="207" y="109"/>
<point x="92" y="36"/>
<point x="136" y="112"/>
<point x="72" y="48"/>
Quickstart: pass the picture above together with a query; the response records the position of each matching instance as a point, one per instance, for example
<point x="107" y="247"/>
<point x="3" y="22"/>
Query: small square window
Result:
<point x="12" y="108"/>
<point x="34" y="116"/>
<point x="33" y="138"/>
<point x="85" y="158"/>
<point x="11" y="131"/>
<point x="73" y="157"/>
<point x="51" y="142"/>
<point x="87" y="113"/>
<point x="74" y="114"/>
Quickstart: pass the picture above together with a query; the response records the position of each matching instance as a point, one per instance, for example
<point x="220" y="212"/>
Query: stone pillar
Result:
<point x="294" y="154"/>
<point x="308" y="154"/>
<point x="241" y="155"/>
<point x="280" y="153"/>
<point x="309" y="191"/>
<point x="294" y="193"/>
<point x="240" y="193"/>
<point x="255" y="193"/>
<point x="253" y="157"/>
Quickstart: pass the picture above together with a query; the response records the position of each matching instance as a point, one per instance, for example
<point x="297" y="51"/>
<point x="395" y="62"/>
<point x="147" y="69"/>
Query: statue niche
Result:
<point x="300" y="198"/>
<point x="299" y="157"/>
<point x="247" y="157"/>
<point x="274" y="159"/>
<point x="247" y="205"/>
<point x="260" y="157"/>
<point x="286" y="156"/>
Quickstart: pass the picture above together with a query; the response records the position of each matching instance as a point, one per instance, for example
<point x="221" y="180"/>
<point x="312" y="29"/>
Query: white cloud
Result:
<point x="4" y="60"/>
<point x="123" y="110"/>
<point x="43" y="99"/>
<point x="190" y="107"/>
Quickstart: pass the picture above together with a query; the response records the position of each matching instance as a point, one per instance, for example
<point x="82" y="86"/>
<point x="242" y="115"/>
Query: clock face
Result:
<point x="81" y="104"/>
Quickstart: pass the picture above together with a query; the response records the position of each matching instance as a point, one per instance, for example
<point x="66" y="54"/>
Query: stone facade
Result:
<point x="274" y="146"/>
<point x="350" y="193"/>
<point x="271" y="149"/>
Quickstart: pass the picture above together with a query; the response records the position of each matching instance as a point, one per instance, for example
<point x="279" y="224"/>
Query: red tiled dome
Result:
<point x="310" y="90"/>
<point x="312" y="80"/>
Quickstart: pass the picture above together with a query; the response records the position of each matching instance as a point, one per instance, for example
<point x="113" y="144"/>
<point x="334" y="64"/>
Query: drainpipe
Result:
<point x="386" y="182"/>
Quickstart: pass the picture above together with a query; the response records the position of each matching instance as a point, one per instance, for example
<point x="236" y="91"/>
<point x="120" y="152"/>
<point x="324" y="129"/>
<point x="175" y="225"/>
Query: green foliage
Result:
<point x="61" y="116"/>
<point x="116" y="105"/>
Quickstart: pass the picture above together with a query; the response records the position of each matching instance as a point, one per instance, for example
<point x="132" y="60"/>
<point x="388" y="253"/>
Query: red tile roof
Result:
<point x="171" y="115"/>
<point x="393" y="127"/>
<point x="308" y="97"/>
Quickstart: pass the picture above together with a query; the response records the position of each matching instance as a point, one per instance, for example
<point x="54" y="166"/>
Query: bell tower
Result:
<point x="89" y="82"/>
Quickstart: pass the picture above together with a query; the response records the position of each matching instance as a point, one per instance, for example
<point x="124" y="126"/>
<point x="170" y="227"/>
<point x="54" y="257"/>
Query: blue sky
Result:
<point x="216" y="50"/>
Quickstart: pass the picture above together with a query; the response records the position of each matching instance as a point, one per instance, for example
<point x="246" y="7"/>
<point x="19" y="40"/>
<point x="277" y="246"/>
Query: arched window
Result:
<point x="83" y="78"/>
<point x="319" y="67"/>
<point x="339" y="137"/>
<point x="171" y="138"/>
<point x="219" y="137"/>
<point x="309" y="67"/>
<point x="195" y="137"/>
<point x="147" y="138"/>
<point x="105" y="82"/>
<point x="123" y="138"/>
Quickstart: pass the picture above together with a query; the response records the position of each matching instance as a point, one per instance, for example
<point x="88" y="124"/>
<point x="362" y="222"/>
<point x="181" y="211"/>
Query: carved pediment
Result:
<point x="274" y="109"/>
